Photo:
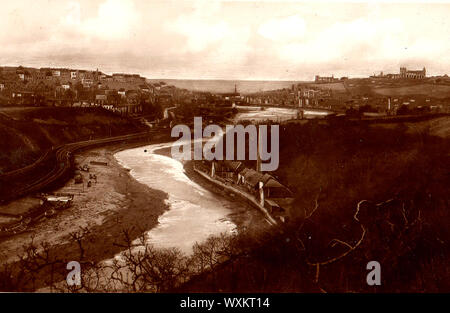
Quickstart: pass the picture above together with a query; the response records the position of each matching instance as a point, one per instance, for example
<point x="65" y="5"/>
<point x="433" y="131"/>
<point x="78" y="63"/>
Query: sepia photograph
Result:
<point x="224" y="147"/>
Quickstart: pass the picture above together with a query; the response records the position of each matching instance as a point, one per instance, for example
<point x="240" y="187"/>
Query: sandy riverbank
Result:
<point x="114" y="203"/>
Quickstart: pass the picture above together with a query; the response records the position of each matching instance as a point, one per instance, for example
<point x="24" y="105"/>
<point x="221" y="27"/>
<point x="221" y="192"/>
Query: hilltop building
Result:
<point x="324" y="79"/>
<point x="405" y="73"/>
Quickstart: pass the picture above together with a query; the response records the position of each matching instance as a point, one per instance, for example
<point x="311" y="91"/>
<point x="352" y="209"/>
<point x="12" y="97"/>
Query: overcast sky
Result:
<point x="290" y="40"/>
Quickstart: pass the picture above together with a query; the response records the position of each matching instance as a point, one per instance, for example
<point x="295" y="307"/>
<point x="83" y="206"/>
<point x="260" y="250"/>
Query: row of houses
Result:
<point x="65" y="76"/>
<point x="57" y="74"/>
<point x="276" y="198"/>
<point x="100" y="92"/>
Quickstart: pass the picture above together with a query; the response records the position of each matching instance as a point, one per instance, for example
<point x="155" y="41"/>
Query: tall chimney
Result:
<point x="258" y="158"/>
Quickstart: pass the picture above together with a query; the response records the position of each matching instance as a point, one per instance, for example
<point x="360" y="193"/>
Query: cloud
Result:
<point x="73" y="16"/>
<point x="199" y="27"/>
<point x="115" y="19"/>
<point x="361" y="38"/>
<point x="211" y="41"/>
<point x="199" y="34"/>
<point x="225" y="39"/>
<point x="283" y="29"/>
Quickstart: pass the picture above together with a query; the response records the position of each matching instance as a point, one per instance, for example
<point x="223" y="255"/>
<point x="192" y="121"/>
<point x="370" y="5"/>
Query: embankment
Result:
<point x="116" y="204"/>
<point x="44" y="138"/>
<point x="28" y="133"/>
<point x="247" y="197"/>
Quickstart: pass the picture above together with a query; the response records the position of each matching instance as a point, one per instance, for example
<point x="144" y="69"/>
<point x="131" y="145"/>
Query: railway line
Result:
<point x="63" y="162"/>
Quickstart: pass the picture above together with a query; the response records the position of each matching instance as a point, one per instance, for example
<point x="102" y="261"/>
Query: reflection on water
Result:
<point x="274" y="114"/>
<point x="194" y="214"/>
<point x="256" y="114"/>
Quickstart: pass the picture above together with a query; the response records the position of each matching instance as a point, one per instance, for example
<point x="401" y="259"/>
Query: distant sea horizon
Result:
<point x="224" y="85"/>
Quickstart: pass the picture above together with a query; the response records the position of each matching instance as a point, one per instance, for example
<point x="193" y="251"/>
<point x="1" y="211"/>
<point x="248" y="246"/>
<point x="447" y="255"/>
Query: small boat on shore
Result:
<point x="58" y="201"/>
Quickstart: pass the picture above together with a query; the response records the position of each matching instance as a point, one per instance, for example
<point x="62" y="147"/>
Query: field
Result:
<point x="385" y="87"/>
<point x="340" y="87"/>
<point x="430" y="90"/>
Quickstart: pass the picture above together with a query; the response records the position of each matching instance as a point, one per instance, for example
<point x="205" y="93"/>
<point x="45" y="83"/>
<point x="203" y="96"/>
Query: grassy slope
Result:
<point x="436" y="91"/>
<point x="339" y="86"/>
<point x="388" y="88"/>
<point x="28" y="132"/>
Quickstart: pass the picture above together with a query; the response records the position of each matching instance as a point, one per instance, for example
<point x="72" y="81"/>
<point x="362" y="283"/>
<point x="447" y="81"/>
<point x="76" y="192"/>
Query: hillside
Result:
<point x="385" y="87"/>
<point x="338" y="87"/>
<point x="430" y="90"/>
<point x="400" y="170"/>
<point x="28" y="132"/>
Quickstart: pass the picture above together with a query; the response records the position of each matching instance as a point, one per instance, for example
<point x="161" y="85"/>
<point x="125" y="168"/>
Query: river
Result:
<point x="261" y="114"/>
<point x="257" y="114"/>
<point x="195" y="213"/>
